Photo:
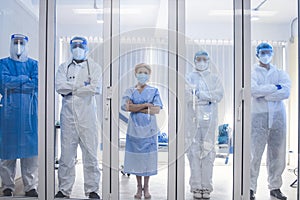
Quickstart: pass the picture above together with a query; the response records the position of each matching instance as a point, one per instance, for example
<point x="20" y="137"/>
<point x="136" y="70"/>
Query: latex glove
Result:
<point x="88" y="82"/>
<point x="278" y="87"/>
<point x="197" y="92"/>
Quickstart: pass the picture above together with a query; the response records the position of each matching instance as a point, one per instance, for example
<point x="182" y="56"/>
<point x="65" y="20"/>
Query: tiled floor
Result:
<point x="158" y="184"/>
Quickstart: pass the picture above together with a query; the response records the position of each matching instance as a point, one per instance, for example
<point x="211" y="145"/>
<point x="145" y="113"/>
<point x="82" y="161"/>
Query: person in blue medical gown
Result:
<point x="204" y="91"/>
<point x="78" y="81"/>
<point x="18" y="130"/>
<point x="143" y="102"/>
<point x="269" y="87"/>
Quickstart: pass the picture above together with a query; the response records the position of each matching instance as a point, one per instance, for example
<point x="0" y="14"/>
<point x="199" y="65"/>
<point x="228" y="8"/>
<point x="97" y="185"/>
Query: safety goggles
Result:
<point x="264" y="52"/>
<point x="201" y="58"/>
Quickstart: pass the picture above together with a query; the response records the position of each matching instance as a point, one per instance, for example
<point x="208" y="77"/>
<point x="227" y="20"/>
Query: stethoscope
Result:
<point x="74" y="63"/>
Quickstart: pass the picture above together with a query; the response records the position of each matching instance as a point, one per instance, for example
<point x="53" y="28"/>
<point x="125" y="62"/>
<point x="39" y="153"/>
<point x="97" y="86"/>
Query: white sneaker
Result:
<point x="198" y="194"/>
<point x="206" y="194"/>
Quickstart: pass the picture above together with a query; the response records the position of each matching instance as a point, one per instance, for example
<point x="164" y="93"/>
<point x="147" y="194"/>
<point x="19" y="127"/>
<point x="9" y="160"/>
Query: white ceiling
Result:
<point x="153" y="13"/>
<point x="148" y="11"/>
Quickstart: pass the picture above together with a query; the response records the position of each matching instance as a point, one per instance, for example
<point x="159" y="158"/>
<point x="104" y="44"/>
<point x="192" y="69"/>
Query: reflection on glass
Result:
<point x="274" y="95"/>
<point x="203" y="93"/>
<point x="209" y="106"/>
<point x="19" y="98"/>
<point x="78" y="101"/>
<point x="143" y="102"/>
<point x="78" y="81"/>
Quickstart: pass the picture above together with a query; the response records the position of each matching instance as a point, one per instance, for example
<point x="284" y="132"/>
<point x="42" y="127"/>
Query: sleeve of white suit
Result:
<point x="258" y="91"/>
<point x="214" y="93"/>
<point x="190" y="88"/>
<point x="62" y="85"/>
<point x="95" y="86"/>
<point x="284" y="92"/>
<point x="218" y="92"/>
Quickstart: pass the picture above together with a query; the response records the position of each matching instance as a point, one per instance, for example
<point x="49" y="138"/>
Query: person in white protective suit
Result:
<point x="204" y="91"/>
<point x="269" y="87"/>
<point x="78" y="81"/>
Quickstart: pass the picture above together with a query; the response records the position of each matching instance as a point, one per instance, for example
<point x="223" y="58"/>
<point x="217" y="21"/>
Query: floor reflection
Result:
<point x="158" y="184"/>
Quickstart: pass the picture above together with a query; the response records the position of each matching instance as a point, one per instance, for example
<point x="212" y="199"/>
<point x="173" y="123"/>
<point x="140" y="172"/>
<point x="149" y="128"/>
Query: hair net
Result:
<point x="263" y="46"/>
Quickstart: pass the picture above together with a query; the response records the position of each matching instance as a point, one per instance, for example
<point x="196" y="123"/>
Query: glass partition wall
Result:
<point x="143" y="138"/>
<point x="274" y="140"/>
<point x="209" y="100"/>
<point x="191" y="47"/>
<point x="78" y="100"/>
<point x="19" y="99"/>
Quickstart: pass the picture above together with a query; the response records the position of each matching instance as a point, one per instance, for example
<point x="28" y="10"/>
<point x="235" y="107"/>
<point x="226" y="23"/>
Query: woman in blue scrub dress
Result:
<point x="143" y="102"/>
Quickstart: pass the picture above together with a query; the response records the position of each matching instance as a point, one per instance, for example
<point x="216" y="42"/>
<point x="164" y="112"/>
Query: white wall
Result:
<point x="15" y="19"/>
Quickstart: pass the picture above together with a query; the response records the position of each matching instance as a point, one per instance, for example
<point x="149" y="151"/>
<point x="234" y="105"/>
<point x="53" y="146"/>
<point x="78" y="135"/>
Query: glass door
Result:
<point x="79" y="68"/>
<point x="142" y="114"/>
<point x="174" y="80"/>
<point x="214" y="85"/>
<point x="19" y="136"/>
<point x="209" y="99"/>
<point x="274" y="133"/>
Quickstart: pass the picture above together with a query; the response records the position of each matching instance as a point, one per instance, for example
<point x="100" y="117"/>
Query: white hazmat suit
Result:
<point x="204" y="91"/>
<point x="268" y="123"/>
<point x="79" y="123"/>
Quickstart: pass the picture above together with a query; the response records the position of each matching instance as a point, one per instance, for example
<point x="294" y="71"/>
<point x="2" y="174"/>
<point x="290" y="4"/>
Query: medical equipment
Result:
<point x="224" y="144"/>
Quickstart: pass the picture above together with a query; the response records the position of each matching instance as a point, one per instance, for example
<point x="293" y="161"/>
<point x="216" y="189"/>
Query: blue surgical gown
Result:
<point x="18" y="130"/>
<point x="142" y="130"/>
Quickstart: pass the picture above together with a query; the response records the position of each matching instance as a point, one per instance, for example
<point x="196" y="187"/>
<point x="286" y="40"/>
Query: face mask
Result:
<point x="78" y="53"/>
<point x="142" y="78"/>
<point x="265" y="59"/>
<point x="18" y="49"/>
<point x="201" y="66"/>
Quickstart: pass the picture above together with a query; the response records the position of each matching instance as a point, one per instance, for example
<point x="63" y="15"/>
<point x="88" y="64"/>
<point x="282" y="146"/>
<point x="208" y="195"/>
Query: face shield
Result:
<point x="18" y="42"/>
<point x="79" y="48"/>
<point x="19" y="47"/>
